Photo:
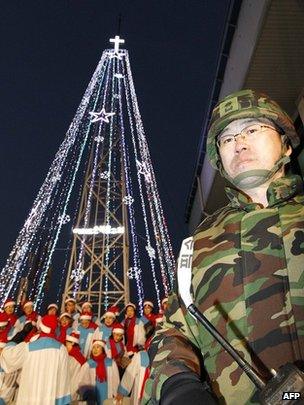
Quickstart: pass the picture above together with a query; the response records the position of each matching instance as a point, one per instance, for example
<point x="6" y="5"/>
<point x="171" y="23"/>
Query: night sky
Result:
<point x="49" y="51"/>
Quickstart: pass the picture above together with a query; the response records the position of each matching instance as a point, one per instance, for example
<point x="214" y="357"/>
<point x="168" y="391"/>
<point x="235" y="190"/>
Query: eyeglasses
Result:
<point x="247" y="133"/>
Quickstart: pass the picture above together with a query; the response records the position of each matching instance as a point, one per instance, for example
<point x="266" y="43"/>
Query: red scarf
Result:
<point x="93" y="325"/>
<point x="115" y="353"/>
<point x="76" y="353"/>
<point x="129" y="332"/>
<point x="101" y="372"/>
<point x="146" y="376"/>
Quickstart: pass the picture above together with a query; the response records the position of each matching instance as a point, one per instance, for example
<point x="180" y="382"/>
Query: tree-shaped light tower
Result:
<point x="102" y="181"/>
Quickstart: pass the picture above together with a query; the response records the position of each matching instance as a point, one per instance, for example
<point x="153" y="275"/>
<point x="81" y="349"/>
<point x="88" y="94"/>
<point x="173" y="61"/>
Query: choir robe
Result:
<point x="90" y="387"/>
<point x="8" y="386"/>
<point x="44" y="376"/>
<point x="74" y="372"/>
<point x="103" y="332"/>
<point x="85" y="340"/>
<point x="134" y="377"/>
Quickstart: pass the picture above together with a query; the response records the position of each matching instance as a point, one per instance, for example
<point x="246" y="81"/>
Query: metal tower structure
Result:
<point x="101" y="249"/>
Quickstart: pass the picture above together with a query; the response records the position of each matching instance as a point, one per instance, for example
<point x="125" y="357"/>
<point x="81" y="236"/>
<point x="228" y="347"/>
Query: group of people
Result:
<point x="73" y="357"/>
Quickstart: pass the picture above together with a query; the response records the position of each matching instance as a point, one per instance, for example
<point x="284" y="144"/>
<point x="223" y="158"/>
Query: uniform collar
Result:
<point x="278" y="191"/>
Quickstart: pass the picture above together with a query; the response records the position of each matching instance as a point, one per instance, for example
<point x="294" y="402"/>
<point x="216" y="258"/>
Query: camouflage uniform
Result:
<point x="247" y="279"/>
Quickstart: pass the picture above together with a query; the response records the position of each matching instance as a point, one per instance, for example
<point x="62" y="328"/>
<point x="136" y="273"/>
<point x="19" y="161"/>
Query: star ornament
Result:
<point x="101" y="116"/>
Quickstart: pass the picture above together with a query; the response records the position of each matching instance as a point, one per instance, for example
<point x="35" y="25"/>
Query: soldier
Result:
<point x="247" y="269"/>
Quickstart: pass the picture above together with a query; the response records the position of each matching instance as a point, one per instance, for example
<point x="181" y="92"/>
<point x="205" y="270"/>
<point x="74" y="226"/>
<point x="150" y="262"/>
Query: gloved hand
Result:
<point x="184" y="388"/>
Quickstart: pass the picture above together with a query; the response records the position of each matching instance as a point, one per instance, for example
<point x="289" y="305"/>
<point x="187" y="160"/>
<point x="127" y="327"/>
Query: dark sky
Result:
<point x="49" y="50"/>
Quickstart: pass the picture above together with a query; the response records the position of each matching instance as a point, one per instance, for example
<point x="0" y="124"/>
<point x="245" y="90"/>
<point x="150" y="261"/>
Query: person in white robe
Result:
<point x="44" y="376"/>
<point x="134" y="330"/>
<point x="134" y="378"/>
<point x="86" y="331"/>
<point x="99" y="377"/>
<point x="104" y="331"/>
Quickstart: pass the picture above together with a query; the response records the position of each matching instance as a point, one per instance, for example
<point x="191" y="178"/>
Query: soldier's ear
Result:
<point x="288" y="150"/>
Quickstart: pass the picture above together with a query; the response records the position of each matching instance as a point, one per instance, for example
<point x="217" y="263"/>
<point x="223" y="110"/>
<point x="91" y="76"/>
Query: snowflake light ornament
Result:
<point x="77" y="275"/>
<point x="128" y="200"/>
<point x="133" y="272"/>
<point x="104" y="175"/>
<point x="99" y="139"/>
<point x="63" y="219"/>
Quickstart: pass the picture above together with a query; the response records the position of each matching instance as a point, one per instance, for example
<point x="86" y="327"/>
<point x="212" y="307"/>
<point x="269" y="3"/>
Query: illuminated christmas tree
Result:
<point x="103" y="183"/>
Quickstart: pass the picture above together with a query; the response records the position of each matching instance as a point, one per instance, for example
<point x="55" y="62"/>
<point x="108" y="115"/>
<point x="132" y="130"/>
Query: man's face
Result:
<point x="109" y="320"/>
<point x="9" y="309"/>
<point x="261" y="151"/>
<point x="70" y="307"/>
<point x="147" y="309"/>
<point x="130" y="312"/>
<point x="28" y="309"/>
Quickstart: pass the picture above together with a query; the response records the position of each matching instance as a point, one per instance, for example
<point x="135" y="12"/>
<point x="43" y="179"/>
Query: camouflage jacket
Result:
<point x="248" y="279"/>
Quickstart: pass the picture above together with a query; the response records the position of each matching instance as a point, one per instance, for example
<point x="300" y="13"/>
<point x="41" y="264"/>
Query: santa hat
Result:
<point x="87" y="303"/>
<point x="2" y="345"/>
<point x="130" y="304"/>
<point x="73" y="337"/>
<point x="70" y="300"/>
<point x="99" y="342"/>
<point x="118" y="328"/>
<point x="3" y="319"/>
<point x="28" y="303"/>
<point x="111" y="312"/>
<point x="52" y="306"/>
<point x="65" y="314"/>
<point x="150" y="303"/>
<point x="85" y="316"/>
<point x="164" y="300"/>
<point x="48" y="323"/>
<point x="9" y="302"/>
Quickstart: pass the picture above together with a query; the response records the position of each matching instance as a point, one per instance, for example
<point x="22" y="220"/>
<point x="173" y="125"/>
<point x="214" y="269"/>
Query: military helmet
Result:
<point x="246" y="104"/>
